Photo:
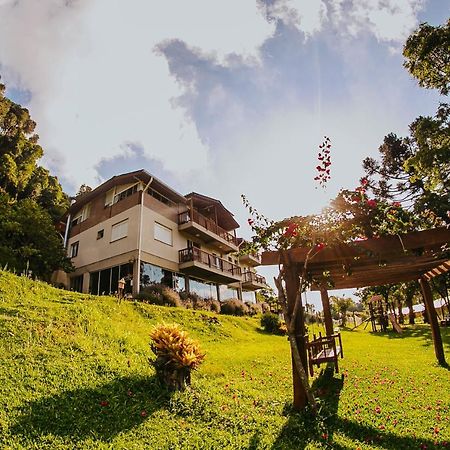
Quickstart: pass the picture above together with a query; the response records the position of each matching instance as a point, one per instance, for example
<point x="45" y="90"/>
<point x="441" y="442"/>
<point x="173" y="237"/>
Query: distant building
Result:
<point x="134" y="226"/>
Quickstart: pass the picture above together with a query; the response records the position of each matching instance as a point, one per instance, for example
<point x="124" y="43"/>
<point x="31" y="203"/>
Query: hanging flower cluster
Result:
<point x="324" y="158"/>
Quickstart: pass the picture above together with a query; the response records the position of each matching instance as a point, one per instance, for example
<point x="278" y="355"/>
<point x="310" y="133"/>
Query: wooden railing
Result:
<point x="206" y="223"/>
<point x="195" y="254"/>
<point x="253" y="277"/>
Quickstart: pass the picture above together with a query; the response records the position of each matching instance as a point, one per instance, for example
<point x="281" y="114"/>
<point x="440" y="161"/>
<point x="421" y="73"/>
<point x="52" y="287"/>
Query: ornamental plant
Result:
<point x="176" y="356"/>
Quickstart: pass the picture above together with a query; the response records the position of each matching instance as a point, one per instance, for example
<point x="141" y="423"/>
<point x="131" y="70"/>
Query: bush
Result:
<point x="272" y="324"/>
<point x="234" y="307"/>
<point x="176" y="355"/>
<point x="215" y="306"/>
<point x="158" y="294"/>
<point x="254" y="308"/>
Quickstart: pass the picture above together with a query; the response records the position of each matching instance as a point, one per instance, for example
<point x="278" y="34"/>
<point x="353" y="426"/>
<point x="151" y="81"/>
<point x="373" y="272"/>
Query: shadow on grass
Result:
<point x="100" y="413"/>
<point x="302" y="429"/>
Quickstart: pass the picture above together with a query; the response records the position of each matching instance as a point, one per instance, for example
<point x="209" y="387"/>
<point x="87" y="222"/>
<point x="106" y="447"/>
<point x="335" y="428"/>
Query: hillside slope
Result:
<point x="75" y="374"/>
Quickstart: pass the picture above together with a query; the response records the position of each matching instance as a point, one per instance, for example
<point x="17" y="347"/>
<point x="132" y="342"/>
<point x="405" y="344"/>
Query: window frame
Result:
<point x="165" y="228"/>
<point x="121" y="237"/>
<point x="74" y="247"/>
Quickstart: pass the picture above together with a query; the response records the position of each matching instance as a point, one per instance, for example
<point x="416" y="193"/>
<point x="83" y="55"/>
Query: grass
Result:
<point x="75" y="374"/>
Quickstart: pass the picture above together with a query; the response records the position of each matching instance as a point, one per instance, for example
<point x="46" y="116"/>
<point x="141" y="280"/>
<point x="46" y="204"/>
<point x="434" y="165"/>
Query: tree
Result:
<point x="31" y="200"/>
<point x="28" y="239"/>
<point x="20" y="175"/>
<point x="342" y="305"/>
<point x="427" y="53"/>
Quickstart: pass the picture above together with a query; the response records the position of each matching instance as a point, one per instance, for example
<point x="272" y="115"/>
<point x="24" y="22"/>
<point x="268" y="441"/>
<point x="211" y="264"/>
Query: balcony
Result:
<point x="198" y="263"/>
<point x="250" y="260"/>
<point x="207" y="230"/>
<point x="252" y="281"/>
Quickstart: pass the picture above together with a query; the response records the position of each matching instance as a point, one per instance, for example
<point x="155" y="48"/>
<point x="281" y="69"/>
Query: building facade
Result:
<point x="134" y="226"/>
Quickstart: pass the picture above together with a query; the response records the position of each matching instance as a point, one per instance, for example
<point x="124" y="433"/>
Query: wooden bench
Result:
<point x="324" y="349"/>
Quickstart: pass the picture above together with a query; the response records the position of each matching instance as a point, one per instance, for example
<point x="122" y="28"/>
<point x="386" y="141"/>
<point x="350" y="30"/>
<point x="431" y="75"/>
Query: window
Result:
<point x="163" y="234"/>
<point x="126" y="193"/>
<point x="119" y="230"/>
<point x="151" y="274"/>
<point x="100" y="234"/>
<point x="161" y="198"/>
<point x="74" y="249"/>
<point x="76" y="283"/>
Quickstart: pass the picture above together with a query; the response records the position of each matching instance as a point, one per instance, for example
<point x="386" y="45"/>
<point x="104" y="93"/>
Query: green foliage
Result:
<point x="176" y="355"/>
<point x="77" y="365"/>
<point x="340" y="306"/>
<point x="271" y="323"/>
<point x="234" y="307"/>
<point x="29" y="240"/>
<point x="427" y="53"/>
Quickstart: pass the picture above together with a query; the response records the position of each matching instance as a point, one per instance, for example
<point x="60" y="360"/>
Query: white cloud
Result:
<point x="388" y="20"/>
<point x="307" y="16"/>
<point x="96" y="81"/>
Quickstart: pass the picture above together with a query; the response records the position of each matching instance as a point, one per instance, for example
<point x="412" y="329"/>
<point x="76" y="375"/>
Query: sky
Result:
<point x="221" y="98"/>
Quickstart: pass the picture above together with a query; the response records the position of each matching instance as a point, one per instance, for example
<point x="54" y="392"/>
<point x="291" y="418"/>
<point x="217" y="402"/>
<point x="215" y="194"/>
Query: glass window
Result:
<point x="226" y="293"/>
<point x="76" y="283"/>
<point x="93" y="283"/>
<point x="203" y="288"/>
<point x="100" y="234"/>
<point x="119" y="230"/>
<point x="248" y="296"/>
<point x="74" y="249"/>
<point x="163" y="234"/>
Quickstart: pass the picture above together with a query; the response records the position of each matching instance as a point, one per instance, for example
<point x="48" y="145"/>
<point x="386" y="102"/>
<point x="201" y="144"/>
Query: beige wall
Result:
<point x="92" y="250"/>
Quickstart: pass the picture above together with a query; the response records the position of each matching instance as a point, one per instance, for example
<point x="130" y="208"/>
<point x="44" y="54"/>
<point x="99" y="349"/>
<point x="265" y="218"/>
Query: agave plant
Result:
<point x="176" y="355"/>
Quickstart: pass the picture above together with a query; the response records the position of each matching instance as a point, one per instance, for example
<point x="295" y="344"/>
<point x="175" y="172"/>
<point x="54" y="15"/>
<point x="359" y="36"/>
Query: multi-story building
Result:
<point x="134" y="226"/>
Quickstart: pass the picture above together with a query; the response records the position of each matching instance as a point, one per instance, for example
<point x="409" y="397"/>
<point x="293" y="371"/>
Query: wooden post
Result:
<point x="432" y="318"/>
<point x="326" y="311"/>
<point x="292" y="285"/>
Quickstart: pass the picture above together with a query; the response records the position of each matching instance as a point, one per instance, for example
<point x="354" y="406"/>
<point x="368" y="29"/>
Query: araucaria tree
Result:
<point x="31" y="200"/>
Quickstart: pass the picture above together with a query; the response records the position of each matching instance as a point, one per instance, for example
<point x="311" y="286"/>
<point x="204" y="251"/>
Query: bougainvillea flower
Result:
<point x="104" y="403"/>
<point x="372" y="203"/>
<point x="320" y="246"/>
<point x="291" y="230"/>
<point x="250" y="221"/>
<point x="364" y="181"/>
<point x="143" y="413"/>
<point x="396" y="204"/>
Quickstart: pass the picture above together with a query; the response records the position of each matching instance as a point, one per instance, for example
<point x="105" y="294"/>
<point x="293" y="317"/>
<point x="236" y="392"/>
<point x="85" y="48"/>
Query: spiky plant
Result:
<point x="176" y="355"/>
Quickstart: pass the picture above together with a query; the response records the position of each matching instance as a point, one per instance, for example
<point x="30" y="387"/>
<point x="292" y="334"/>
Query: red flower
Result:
<point x="104" y="403"/>
<point x="371" y="203"/>
<point x="364" y="181"/>
<point x="250" y="222"/>
<point x="324" y="436"/>
<point x="320" y="246"/>
<point x="143" y="413"/>
<point x="291" y="230"/>
<point x="396" y="204"/>
<point x="129" y="393"/>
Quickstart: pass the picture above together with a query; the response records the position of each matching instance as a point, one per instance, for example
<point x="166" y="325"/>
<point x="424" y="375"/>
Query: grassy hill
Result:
<point x="75" y="374"/>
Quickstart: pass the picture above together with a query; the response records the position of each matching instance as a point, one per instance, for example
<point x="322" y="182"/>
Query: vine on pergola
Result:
<point x="351" y="217"/>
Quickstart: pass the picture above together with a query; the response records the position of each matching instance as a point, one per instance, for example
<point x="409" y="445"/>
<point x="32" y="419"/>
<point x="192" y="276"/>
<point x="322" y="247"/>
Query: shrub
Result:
<point x="170" y="297"/>
<point x="254" y="308"/>
<point x="176" y="355"/>
<point x="233" y="307"/>
<point x="201" y="304"/>
<point x="270" y="322"/>
<point x="215" y="306"/>
<point x="150" y="296"/>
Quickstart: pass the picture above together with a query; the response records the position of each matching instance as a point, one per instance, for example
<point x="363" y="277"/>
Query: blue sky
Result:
<point x="221" y="98"/>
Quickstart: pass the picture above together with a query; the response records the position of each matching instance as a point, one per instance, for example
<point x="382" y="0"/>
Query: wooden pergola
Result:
<point x="373" y="262"/>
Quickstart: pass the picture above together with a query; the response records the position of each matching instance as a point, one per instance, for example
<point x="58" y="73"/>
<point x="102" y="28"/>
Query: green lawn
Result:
<point x="75" y="374"/>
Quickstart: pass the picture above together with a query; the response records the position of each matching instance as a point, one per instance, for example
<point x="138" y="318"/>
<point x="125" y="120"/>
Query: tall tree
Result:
<point x="427" y="56"/>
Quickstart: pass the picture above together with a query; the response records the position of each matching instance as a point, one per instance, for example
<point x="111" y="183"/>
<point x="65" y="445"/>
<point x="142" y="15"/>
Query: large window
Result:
<point x="126" y="193"/>
<point x="151" y="274"/>
<point x="76" y="283"/>
<point x="203" y="288"/>
<point x="119" y="230"/>
<point x="227" y="293"/>
<point x="106" y="281"/>
<point x="74" y="249"/>
<point x="163" y="234"/>
<point x="248" y="296"/>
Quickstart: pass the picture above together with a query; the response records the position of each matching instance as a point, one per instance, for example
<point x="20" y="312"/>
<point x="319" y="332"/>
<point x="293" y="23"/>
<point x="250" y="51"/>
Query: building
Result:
<point x="134" y="226"/>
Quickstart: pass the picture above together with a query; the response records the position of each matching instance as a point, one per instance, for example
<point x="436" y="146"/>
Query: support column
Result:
<point x="326" y="311"/>
<point x="292" y="286"/>
<point x="432" y="317"/>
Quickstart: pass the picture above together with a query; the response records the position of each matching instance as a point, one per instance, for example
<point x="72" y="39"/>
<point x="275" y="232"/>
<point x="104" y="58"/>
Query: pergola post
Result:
<point x="326" y="310"/>
<point x="292" y="286"/>
<point x="432" y="317"/>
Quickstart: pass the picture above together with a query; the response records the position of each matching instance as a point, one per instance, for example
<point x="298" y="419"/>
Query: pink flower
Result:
<point x="291" y="230"/>
<point x="396" y="204"/>
<point x="250" y="222"/>
<point x="320" y="246"/>
<point x="364" y="181"/>
<point x="104" y="403"/>
<point x="371" y="203"/>
<point x="143" y="413"/>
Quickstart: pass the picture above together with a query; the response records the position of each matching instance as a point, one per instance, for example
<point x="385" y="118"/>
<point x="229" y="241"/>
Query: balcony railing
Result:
<point x="210" y="225"/>
<point x="195" y="254"/>
<point x="253" y="278"/>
